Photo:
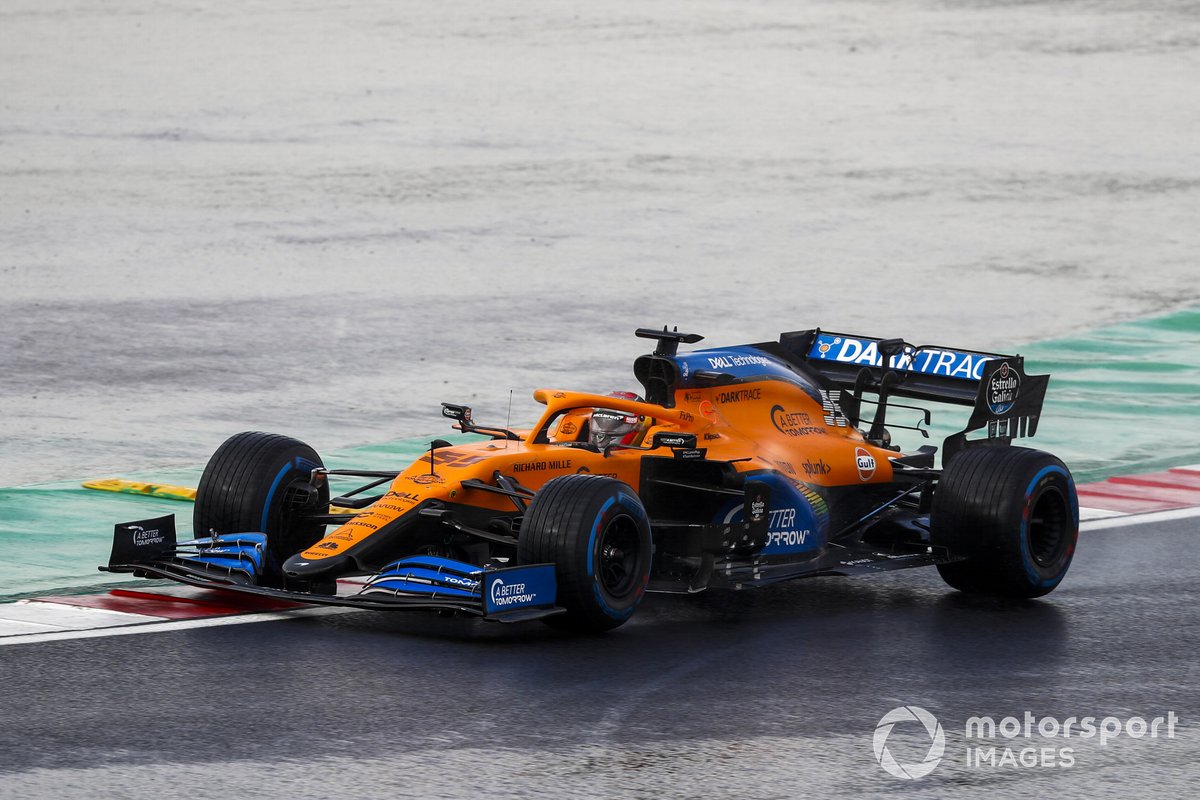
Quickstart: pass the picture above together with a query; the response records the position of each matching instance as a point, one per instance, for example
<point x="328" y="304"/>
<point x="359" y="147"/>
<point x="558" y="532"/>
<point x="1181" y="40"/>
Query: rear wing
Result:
<point x="1007" y="401"/>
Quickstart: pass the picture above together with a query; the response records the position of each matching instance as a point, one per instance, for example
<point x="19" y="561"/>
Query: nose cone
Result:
<point x="300" y="567"/>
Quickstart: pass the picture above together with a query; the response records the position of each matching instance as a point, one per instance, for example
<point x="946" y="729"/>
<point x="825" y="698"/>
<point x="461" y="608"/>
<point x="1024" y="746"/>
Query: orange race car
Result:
<point x="743" y="466"/>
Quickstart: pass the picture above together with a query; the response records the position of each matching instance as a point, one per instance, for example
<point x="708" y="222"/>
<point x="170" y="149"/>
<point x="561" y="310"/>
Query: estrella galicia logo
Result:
<point x="1002" y="390"/>
<point x="933" y="755"/>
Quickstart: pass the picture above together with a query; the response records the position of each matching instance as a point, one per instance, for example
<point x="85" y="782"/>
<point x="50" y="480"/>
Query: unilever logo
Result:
<point x="937" y="742"/>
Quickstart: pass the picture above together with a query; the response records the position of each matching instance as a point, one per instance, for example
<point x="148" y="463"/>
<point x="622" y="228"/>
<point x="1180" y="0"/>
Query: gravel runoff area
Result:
<point x="324" y="219"/>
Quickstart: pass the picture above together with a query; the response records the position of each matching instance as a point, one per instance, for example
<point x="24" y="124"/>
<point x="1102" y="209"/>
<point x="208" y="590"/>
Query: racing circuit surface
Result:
<point x="322" y="220"/>
<point x="765" y="694"/>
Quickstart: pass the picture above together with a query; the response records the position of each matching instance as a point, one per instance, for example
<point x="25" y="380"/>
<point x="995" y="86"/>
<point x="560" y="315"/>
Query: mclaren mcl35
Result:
<point x="738" y="467"/>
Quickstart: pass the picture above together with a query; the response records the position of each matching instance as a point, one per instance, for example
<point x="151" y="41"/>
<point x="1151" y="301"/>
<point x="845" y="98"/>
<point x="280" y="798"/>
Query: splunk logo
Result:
<point x="934" y="738"/>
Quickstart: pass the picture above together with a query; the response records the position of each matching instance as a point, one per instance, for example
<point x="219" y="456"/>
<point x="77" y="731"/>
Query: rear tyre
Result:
<point x="260" y="482"/>
<point x="1013" y="513"/>
<point x="597" y="534"/>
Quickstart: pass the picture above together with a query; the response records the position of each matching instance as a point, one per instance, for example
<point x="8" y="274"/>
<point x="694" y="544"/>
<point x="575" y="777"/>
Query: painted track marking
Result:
<point x="167" y="625"/>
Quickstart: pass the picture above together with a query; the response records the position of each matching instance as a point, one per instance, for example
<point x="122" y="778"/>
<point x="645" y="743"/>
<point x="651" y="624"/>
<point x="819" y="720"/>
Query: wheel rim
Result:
<point x="298" y="497"/>
<point x="618" y="555"/>
<point x="1049" y="528"/>
<point x="293" y="535"/>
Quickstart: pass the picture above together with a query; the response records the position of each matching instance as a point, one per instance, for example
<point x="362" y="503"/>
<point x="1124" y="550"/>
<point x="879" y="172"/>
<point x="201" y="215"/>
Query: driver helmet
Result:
<point x="609" y="427"/>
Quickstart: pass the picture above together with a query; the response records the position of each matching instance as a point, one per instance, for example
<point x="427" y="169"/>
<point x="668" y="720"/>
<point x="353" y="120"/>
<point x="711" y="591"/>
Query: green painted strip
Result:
<point x="1123" y="399"/>
<point x="54" y="535"/>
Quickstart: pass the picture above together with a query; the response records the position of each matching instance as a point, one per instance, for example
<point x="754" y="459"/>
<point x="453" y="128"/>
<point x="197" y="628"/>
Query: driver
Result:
<point x="609" y="427"/>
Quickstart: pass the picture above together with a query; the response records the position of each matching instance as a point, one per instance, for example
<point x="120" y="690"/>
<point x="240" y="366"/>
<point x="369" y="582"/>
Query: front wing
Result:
<point x="233" y="562"/>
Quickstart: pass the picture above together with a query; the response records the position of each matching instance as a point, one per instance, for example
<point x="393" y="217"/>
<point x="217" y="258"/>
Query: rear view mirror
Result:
<point x="460" y="413"/>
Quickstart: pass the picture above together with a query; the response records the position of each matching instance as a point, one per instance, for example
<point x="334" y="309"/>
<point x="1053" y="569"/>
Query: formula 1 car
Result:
<point x="743" y="466"/>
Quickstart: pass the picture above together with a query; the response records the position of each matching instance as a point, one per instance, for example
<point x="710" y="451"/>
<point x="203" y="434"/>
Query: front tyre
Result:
<point x="259" y="482"/>
<point x="597" y="534"/>
<point x="1013" y="513"/>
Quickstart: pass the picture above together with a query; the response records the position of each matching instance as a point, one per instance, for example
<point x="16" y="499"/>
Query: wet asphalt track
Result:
<point x="767" y="694"/>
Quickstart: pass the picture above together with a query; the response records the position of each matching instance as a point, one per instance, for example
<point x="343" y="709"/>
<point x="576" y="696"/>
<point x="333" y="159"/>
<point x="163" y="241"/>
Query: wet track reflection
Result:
<point x="745" y="691"/>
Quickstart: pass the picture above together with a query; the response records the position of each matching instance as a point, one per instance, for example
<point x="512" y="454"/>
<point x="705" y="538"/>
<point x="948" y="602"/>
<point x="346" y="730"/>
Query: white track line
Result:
<point x="1087" y="514"/>
<point x="170" y="625"/>
<point x="62" y="617"/>
<point x="1141" y="519"/>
